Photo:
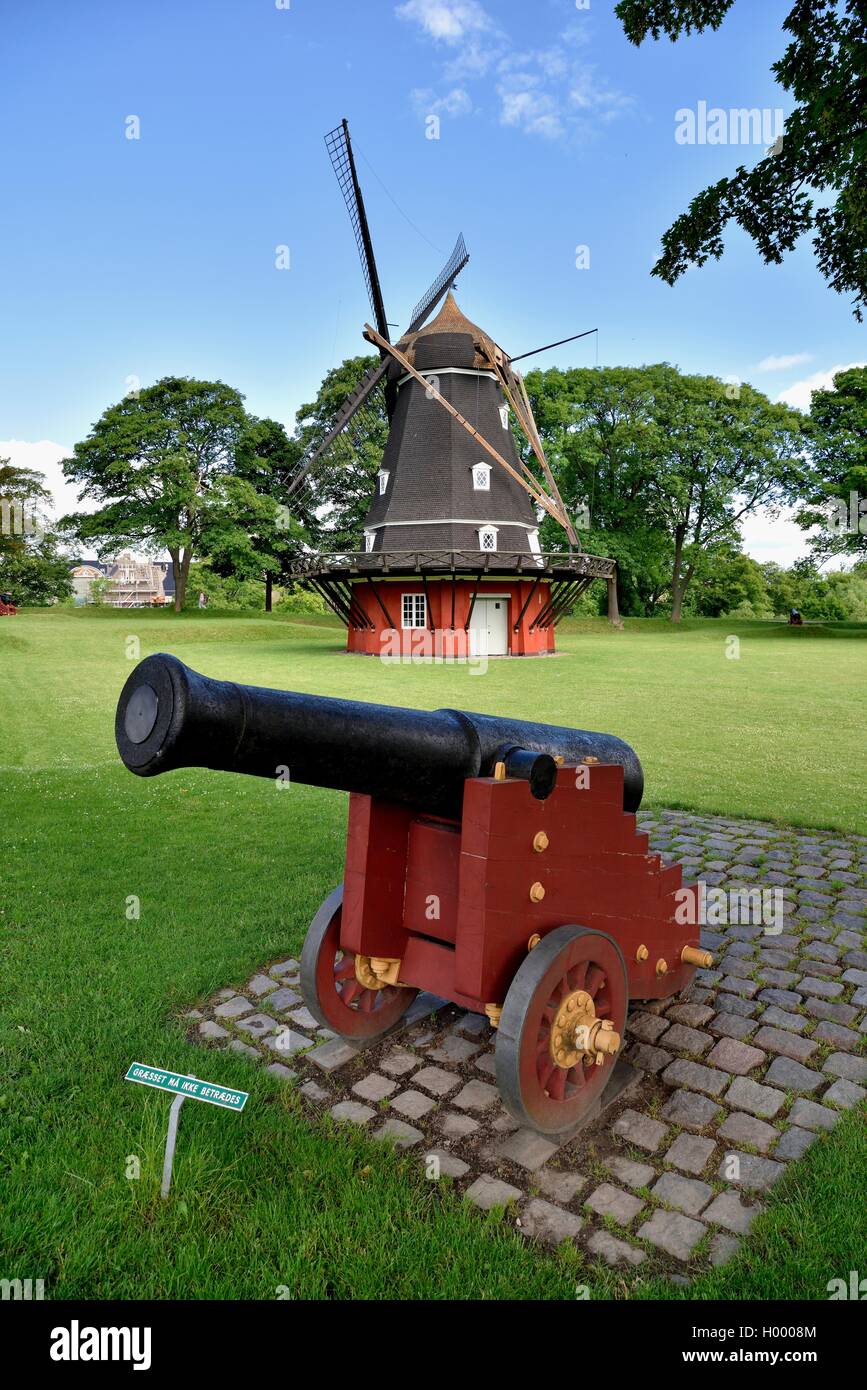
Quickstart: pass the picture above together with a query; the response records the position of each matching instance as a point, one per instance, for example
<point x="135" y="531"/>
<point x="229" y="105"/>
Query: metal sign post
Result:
<point x="183" y="1088"/>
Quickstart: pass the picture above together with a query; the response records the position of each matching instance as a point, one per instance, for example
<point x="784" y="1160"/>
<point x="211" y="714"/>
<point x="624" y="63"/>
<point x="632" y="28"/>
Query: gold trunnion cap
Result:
<point x="537" y="893"/>
<point x="693" y="955"/>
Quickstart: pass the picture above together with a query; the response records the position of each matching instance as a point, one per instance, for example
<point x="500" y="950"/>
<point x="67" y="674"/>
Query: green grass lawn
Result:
<point x="229" y="871"/>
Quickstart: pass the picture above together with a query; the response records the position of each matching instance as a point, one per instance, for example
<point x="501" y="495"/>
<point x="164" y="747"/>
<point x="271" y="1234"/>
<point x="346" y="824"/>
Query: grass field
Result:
<point x="229" y="871"/>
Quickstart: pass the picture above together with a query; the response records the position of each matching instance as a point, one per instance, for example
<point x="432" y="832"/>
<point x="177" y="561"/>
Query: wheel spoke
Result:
<point x="577" y="1077"/>
<point x="556" y="1087"/>
<point x="595" y="979"/>
<point x="561" y="989"/>
<point x="351" y="991"/>
<point x="545" y="1072"/>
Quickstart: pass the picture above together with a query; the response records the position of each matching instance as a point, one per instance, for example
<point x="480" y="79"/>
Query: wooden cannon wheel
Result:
<point x="330" y="983"/>
<point x="561" y="1028"/>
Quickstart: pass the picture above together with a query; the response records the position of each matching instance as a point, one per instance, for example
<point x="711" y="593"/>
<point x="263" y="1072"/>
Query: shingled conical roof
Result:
<point x="450" y="319"/>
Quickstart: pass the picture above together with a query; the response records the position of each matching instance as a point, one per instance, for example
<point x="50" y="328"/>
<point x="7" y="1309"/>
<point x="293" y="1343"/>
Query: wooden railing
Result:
<point x="348" y="562"/>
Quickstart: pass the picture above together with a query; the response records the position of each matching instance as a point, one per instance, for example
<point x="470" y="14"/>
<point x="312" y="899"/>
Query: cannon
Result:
<point x="494" y="862"/>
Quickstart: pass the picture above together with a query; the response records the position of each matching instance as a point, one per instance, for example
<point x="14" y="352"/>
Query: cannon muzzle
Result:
<point x="169" y="717"/>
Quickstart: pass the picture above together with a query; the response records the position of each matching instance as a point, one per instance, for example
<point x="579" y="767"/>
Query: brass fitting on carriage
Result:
<point x="375" y="972"/>
<point x="578" y="1034"/>
<point x="693" y="955"/>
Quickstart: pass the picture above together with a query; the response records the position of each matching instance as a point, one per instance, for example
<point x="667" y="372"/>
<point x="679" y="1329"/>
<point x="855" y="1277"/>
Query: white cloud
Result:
<point x="446" y="21"/>
<point x="45" y="457"/>
<point x="800" y="393"/>
<point x="546" y="92"/>
<point x="781" y="364"/>
<point x="595" y="98"/>
<point x="534" y="112"/>
<point x="457" y="102"/>
<point x="474" y="59"/>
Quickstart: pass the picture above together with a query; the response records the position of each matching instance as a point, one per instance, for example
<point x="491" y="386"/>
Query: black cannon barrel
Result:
<point x="169" y="716"/>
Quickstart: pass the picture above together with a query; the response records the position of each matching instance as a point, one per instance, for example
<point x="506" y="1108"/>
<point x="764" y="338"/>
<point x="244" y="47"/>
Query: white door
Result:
<point x="489" y="627"/>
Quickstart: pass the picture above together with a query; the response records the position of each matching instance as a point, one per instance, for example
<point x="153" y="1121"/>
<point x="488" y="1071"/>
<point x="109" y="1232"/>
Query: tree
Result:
<point x="161" y="464"/>
<point x="823" y="150"/>
<point x="724" y="455"/>
<point x="598" y="430"/>
<point x="667" y="466"/>
<point x="99" y="591"/>
<point x="726" y="579"/>
<point x="30" y="568"/>
<point x="269" y="460"/>
<point x="837" y="503"/>
<point x="817" y="599"/>
<point x="338" y="490"/>
<point x="781" y="587"/>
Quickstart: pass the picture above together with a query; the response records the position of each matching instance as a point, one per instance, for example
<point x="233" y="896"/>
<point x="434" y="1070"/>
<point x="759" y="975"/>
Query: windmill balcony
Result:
<point x="467" y="602"/>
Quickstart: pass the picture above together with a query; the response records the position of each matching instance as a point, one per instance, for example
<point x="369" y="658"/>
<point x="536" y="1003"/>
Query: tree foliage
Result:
<point x="823" y="150"/>
<point x="167" y="467"/>
<point x="837" y="502"/>
<point x="337" y="492"/>
<point x="30" y="568"/>
<point x="666" y="465"/>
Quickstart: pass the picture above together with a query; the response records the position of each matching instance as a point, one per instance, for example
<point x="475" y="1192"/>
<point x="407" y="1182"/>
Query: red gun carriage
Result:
<point x="495" y="863"/>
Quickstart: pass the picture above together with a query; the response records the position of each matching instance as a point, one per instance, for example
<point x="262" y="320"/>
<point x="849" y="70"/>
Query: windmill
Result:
<point x="452" y="556"/>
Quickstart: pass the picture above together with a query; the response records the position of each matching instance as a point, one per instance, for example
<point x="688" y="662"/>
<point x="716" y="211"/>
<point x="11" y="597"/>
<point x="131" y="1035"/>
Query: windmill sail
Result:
<point x="344" y="443"/>
<point x="339" y="148"/>
<point x="441" y="285"/>
<point x="334" y="443"/>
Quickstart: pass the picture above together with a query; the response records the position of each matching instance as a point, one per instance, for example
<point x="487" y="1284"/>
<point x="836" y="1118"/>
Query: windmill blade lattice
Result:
<point x="323" y="446"/>
<point x="339" y="148"/>
<point x="446" y="278"/>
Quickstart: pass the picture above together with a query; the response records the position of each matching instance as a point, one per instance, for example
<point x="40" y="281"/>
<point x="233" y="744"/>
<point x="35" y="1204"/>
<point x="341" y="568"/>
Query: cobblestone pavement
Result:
<point x="725" y="1087"/>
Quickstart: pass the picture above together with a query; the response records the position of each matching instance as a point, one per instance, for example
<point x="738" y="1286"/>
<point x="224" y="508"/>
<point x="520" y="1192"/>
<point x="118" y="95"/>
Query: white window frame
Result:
<point x="413" y="611"/>
<point x="482" y="468"/>
<point x="369" y="537"/>
<point x="533" y="539"/>
<point x="383" y="481"/>
<point x="484" y="531"/>
<point x="504" y="416"/>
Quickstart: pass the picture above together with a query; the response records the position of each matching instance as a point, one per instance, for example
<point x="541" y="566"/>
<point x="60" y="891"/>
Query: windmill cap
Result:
<point x="450" y="320"/>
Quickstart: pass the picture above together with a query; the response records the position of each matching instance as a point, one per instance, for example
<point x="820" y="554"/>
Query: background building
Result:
<point x="134" y="583"/>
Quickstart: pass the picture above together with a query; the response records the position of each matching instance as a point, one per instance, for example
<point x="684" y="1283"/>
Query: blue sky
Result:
<point x="136" y="258"/>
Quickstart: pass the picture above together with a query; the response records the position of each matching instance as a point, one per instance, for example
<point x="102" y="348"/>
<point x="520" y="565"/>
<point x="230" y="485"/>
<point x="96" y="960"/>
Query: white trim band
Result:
<point x="448" y="371"/>
<point x="452" y="521"/>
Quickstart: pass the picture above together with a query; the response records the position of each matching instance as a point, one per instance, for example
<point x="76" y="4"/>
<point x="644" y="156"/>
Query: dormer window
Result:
<point x="487" y="538"/>
<point x="533" y="538"/>
<point x="382" y="475"/>
<point x="368" y="540"/>
<point x="504" y="416"/>
<point x="481" y="477"/>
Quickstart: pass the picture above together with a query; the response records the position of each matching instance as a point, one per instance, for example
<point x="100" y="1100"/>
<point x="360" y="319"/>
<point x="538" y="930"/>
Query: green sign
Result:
<point x="187" y="1086"/>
